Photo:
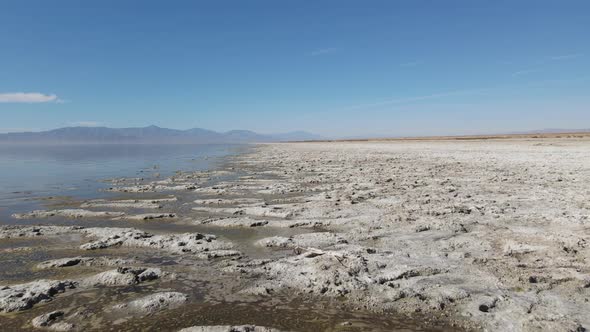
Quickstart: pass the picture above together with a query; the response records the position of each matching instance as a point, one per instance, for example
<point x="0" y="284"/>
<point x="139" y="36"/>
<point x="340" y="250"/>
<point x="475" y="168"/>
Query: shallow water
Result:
<point x="29" y="172"/>
<point x="60" y="177"/>
<point x="285" y="314"/>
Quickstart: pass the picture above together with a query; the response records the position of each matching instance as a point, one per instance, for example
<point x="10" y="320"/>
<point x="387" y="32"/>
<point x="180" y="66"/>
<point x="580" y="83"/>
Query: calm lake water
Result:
<point x="29" y="172"/>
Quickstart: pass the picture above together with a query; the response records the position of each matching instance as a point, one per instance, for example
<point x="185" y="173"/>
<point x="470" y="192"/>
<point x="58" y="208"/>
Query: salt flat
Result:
<point x="480" y="234"/>
<point x="488" y="233"/>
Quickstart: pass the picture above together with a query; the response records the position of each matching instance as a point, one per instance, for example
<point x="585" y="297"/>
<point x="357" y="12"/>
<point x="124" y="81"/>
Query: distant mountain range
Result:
<point x="158" y="135"/>
<point x="151" y="134"/>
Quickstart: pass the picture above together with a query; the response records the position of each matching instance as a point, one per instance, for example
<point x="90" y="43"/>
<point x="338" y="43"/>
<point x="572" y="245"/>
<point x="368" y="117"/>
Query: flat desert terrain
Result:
<point x="480" y="234"/>
<point x="492" y="232"/>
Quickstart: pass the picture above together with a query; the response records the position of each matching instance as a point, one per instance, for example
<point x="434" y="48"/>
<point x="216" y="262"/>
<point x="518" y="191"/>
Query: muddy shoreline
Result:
<point x="55" y="243"/>
<point x="336" y="236"/>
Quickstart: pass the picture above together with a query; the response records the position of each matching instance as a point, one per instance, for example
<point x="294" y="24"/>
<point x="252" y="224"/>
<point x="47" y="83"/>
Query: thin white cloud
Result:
<point x="411" y="64"/>
<point x="560" y="81"/>
<point x="27" y="97"/>
<point x="415" y="99"/>
<point x="547" y="60"/>
<point x="567" y="56"/>
<point x="322" y="51"/>
<point x="524" y="72"/>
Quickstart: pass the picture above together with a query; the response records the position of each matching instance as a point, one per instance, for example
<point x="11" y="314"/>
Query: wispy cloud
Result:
<point x="322" y="51"/>
<point x="411" y="64"/>
<point x="28" y="97"/>
<point x="524" y="72"/>
<point x="414" y="99"/>
<point x="546" y="61"/>
<point x="85" y="124"/>
<point x="566" y="56"/>
<point x="579" y="79"/>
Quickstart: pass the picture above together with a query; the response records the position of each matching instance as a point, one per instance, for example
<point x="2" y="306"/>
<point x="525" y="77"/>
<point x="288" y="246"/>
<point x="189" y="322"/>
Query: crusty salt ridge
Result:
<point x="25" y="296"/>
<point x="153" y="187"/>
<point x="233" y="222"/>
<point x="79" y="214"/>
<point x="255" y="211"/>
<point x="202" y="246"/>
<point x="148" y="216"/>
<point x="84" y="261"/>
<point x="51" y="322"/>
<point x="234" y="201"/>
<point x="129" y="203"/>
<point x="68" y="213"/>
<point x="17" y="231"/>
<point x="491" y="233"/>
<point x="153" y="303"/>
<point x="228" y="328"/>
<point x="323" y="239"/>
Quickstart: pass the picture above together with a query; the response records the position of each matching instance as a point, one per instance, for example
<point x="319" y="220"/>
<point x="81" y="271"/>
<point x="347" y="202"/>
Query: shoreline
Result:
<point x="57" y="238"/>
<point x="463" y="234"/>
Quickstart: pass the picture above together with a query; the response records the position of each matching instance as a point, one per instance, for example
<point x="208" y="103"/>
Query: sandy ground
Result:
<point x="479" y="234"/>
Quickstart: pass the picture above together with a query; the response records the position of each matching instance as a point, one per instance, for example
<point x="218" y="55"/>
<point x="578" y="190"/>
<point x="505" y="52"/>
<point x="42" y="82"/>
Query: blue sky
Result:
<point x="337" y="68"/>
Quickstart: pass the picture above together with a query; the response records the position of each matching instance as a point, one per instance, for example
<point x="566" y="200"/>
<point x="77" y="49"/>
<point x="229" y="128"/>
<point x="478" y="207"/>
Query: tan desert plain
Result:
<point x="434" y="234"/>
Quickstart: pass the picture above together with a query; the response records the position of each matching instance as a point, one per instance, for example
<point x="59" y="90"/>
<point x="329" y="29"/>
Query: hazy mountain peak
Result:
<point x="150" y="134"/>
